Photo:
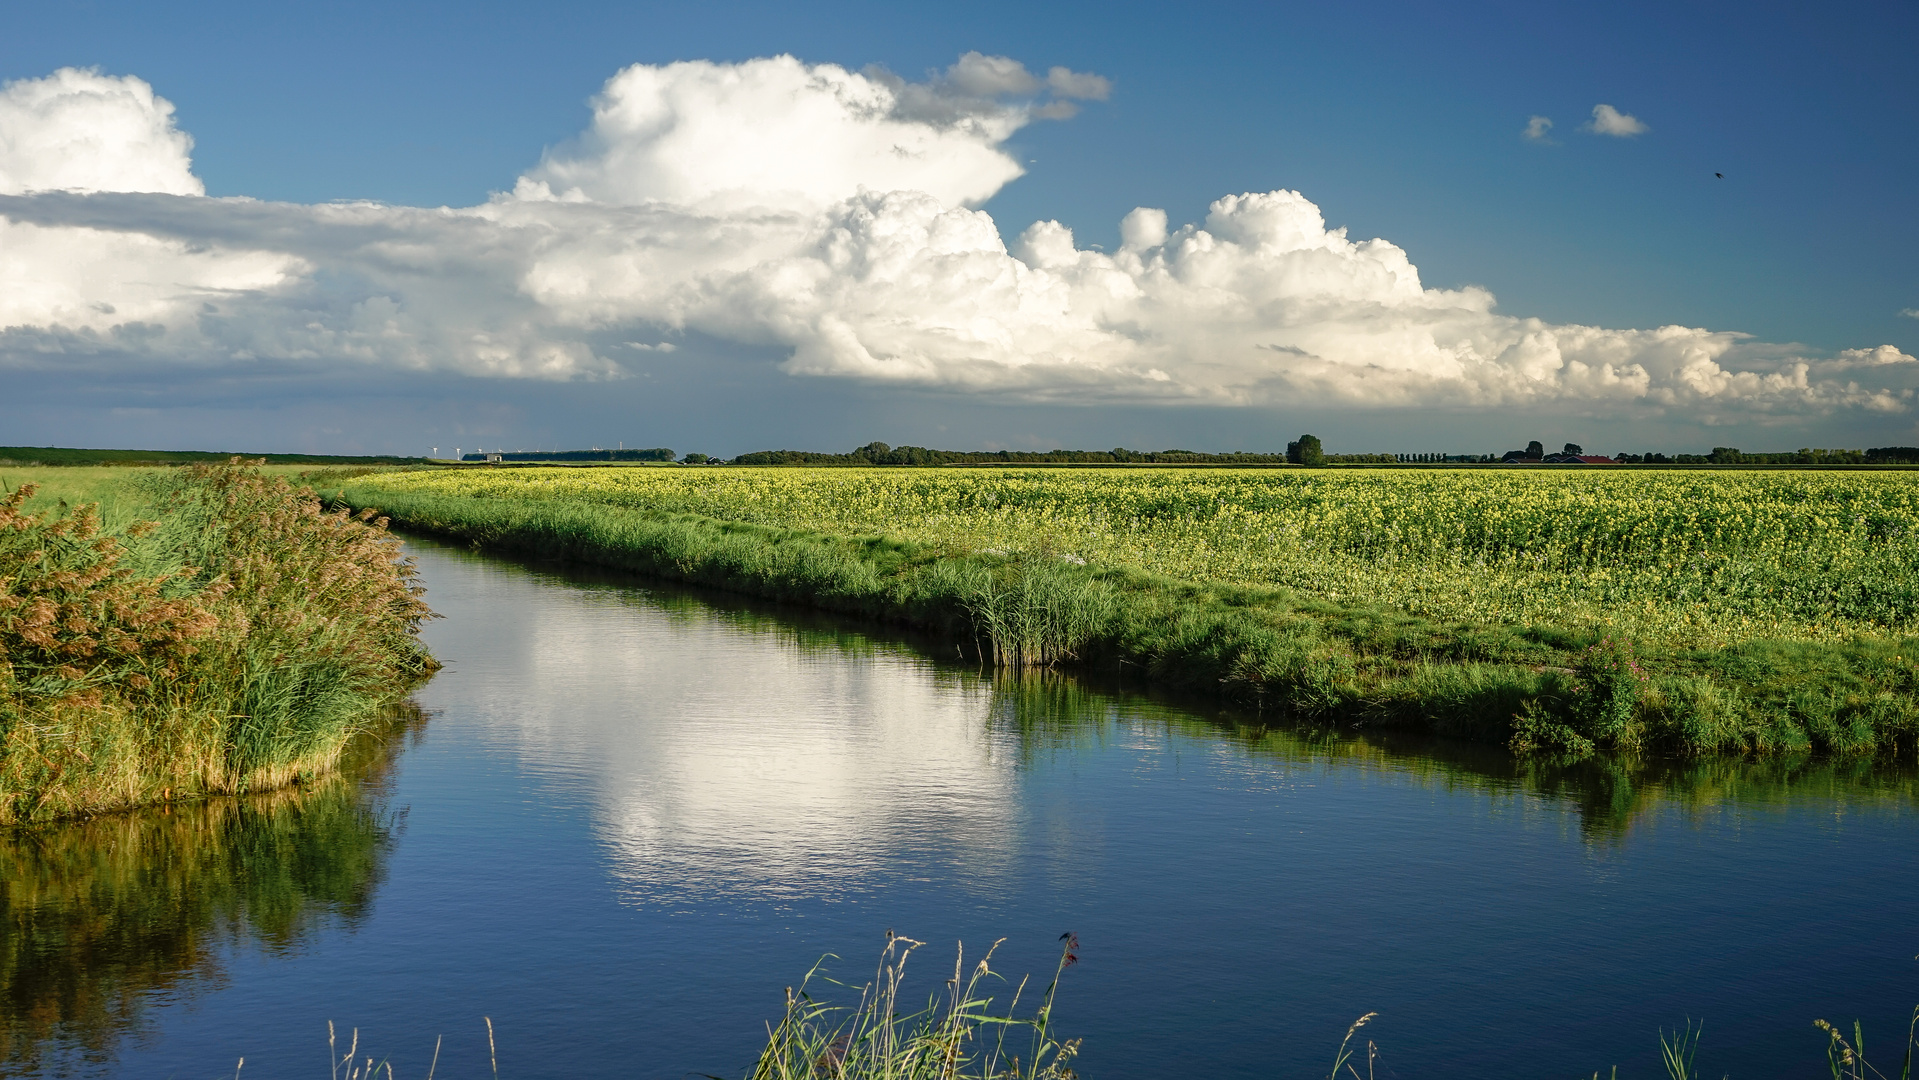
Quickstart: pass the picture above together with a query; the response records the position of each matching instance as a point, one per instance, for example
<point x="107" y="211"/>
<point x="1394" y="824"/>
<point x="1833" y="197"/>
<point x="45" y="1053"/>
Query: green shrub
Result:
<point x="1604" y="697"/>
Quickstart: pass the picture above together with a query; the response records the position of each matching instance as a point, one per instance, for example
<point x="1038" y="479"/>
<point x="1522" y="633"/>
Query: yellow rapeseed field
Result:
<point x="1700" y="558"/>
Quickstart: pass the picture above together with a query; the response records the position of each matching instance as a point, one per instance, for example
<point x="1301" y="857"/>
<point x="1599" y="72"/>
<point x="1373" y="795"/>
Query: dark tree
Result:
<point x="1535" y="449"/>
<point x="1306" y="451"/>
<point x="1574" y="449"/>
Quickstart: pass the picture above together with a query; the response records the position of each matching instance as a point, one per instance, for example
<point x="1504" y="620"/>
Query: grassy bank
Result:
<point x="223" y="635"/>
<point x="1558" y="613"/>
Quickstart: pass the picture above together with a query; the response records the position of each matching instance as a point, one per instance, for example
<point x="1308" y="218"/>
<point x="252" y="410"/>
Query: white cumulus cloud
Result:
<point x="825" y="212"/>
<point x="779" y="134"/>
<point x="1538" y="128"/>
<point x="1610" y="121"/>
<point x="80" y="130"/>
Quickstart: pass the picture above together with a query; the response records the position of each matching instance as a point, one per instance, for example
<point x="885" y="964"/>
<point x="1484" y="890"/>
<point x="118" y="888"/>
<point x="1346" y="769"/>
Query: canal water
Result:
<point x="625" y="818"/>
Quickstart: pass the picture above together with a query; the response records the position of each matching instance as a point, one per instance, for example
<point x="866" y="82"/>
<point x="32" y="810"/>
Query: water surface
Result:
<point x="629" y="816"/>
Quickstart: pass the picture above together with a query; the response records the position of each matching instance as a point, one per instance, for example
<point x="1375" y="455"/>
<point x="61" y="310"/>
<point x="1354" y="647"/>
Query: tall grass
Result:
<point x="1033" y="612"/>
<point x="957" y="1035"/>
<point x="235" y="642"/>
<point x="1847" y="1058"/>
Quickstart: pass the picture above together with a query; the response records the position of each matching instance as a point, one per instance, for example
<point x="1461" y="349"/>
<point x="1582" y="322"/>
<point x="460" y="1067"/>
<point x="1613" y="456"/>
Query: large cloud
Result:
<point x="776" y="133"/>
<point x="83" y="131"/>
<point x="823" y="211"/>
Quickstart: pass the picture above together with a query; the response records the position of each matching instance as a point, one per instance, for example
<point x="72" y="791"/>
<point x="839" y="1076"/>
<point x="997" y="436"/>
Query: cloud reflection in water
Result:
<point x="718" y="766"/>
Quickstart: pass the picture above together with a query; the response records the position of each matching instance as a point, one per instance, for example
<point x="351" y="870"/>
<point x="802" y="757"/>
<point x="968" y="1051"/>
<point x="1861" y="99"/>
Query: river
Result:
<point x="626" y="817"/>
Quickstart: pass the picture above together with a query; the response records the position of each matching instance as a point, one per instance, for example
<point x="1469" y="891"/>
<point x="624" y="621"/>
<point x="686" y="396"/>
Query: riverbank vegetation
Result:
<point x="1556" y="611"/>
<point x="224" y="634"/>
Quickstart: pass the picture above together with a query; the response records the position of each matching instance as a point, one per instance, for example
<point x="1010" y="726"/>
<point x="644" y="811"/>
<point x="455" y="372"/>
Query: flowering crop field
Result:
<point x="1683" y="558"/>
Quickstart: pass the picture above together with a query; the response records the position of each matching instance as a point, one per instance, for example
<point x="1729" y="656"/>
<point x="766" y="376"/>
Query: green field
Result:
<point x="1552" y="609"/>
<point x="1693" y="558"/>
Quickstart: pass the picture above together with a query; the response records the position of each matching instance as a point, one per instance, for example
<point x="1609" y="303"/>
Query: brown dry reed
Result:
<point x="234" y="643"/>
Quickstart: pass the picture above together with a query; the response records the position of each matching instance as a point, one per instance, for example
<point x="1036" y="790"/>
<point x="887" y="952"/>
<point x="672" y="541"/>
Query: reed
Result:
<point x="955" y="1036"/>
<point x="234" y="642"/>
<point x="1033" y="612"/>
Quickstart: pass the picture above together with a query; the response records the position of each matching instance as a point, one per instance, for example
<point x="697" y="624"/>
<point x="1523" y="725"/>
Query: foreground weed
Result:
<point x="1343" y="1059"/>
<point x="1677" y="1053"/>
<point x="960" y="1038"/>
<point x="1847" y="1060"/>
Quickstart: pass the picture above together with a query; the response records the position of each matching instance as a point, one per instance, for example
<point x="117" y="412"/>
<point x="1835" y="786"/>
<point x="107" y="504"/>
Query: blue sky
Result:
<point x="1400" y="121"/>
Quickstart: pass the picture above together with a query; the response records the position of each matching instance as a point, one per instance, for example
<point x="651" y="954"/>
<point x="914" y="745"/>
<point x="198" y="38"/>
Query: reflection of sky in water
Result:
<point x="720" y="765"/>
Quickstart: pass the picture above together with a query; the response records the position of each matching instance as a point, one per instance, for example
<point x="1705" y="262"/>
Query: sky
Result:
<point x="725" y="227"/>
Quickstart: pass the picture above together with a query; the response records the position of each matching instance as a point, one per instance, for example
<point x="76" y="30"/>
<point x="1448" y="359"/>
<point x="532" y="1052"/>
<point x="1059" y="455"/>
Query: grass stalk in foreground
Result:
<point x="961" y="1038"/>
<point x="1847" y="1060"/>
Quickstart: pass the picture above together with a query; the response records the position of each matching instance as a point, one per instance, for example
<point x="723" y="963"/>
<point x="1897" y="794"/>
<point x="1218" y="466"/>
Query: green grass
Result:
<point x="1301" y="652"/>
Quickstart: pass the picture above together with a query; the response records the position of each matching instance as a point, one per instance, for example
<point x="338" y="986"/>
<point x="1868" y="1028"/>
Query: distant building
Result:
<point x="495" y="456"/>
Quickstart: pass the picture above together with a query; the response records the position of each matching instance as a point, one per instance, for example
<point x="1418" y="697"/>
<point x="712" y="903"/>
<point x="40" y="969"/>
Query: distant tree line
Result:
<point x="660" y="453"/>
<point x="878" y="453"/>
<point x="1732" y="455"/>
<point x="1306" y="450"/>
<point x="61" y="455"/>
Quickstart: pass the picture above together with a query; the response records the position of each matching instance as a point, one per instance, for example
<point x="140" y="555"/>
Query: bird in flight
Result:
<point x="1720" y="175"/>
